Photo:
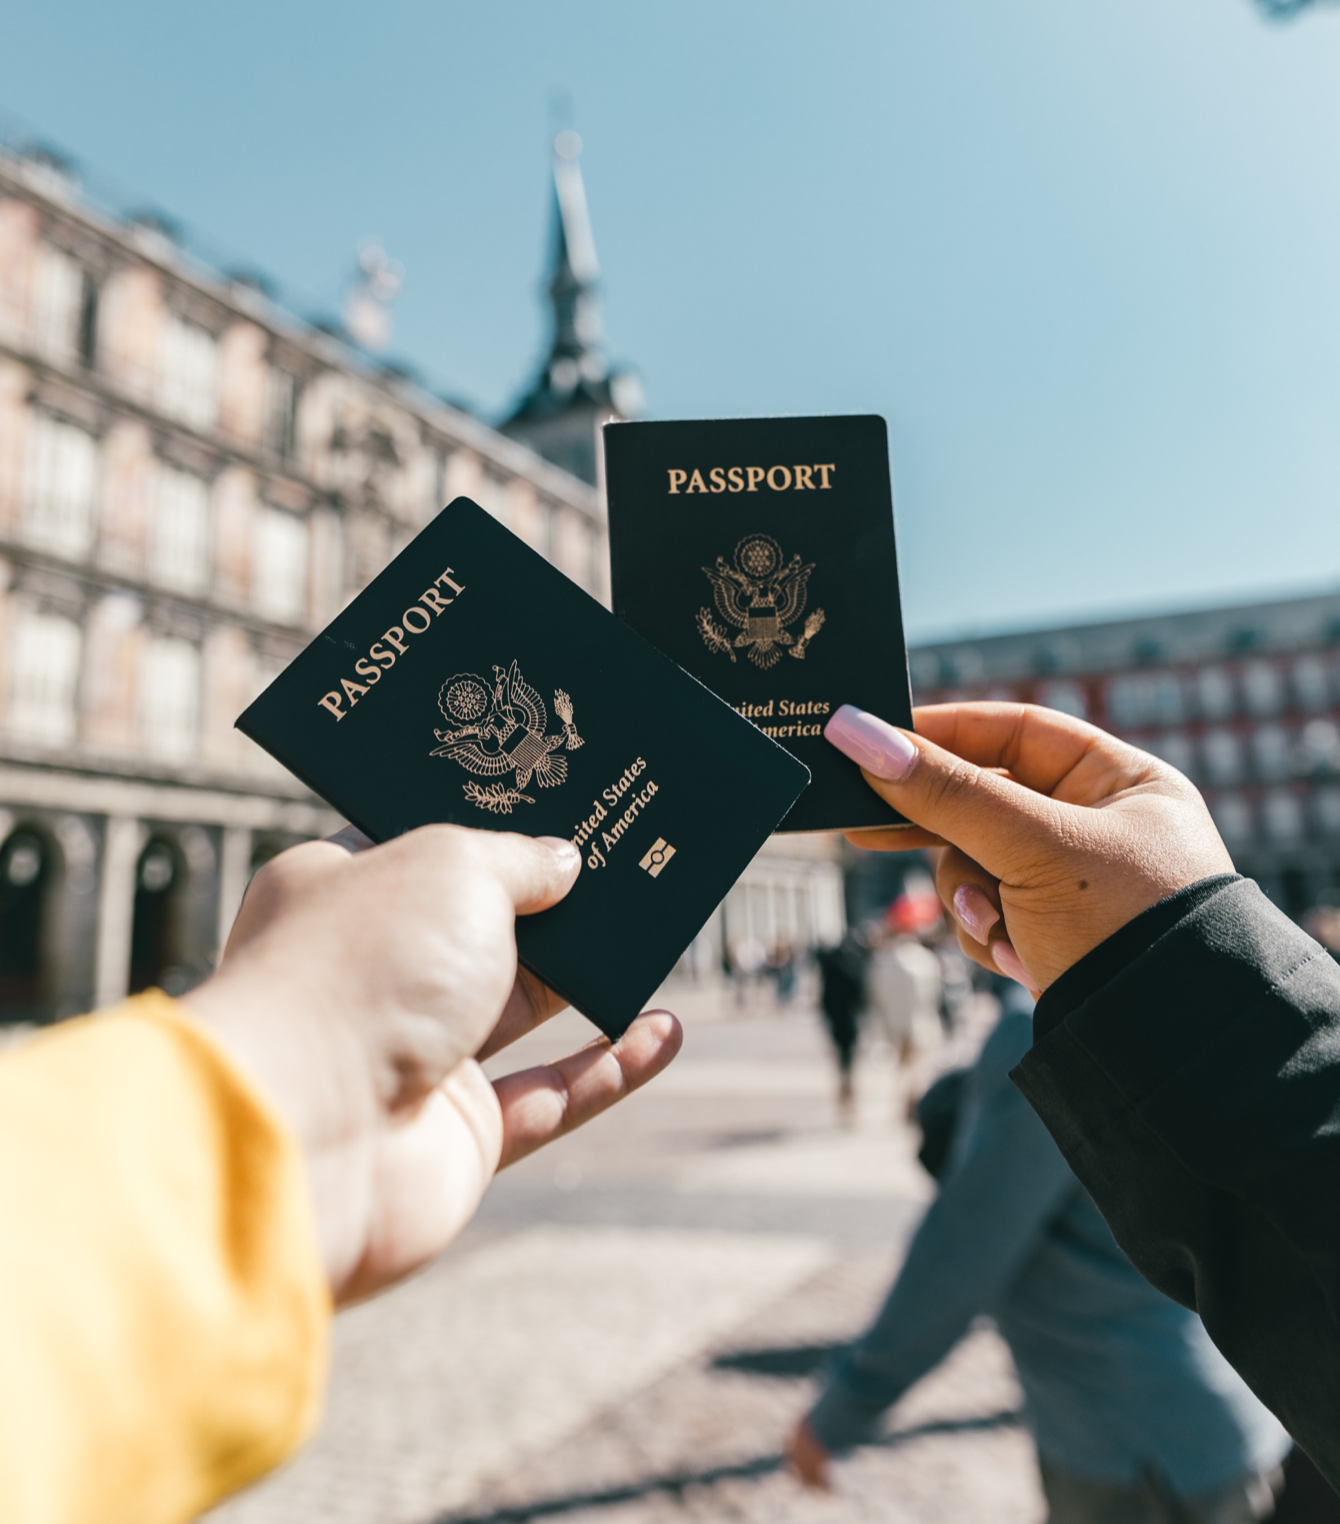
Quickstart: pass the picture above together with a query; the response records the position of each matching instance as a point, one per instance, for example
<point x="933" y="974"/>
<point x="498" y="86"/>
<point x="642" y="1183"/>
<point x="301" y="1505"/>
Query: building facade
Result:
<point x="1245" y="700"/>
<point x="192" y="482"/>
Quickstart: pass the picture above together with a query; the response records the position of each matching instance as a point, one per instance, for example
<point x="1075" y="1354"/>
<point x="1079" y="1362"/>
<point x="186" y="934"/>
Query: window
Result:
<point x="1311" y="683"/>
<point x="88" y="324"/>
<point x="1067" y="697"/>
<point x="1233" y="816"/>
<point x="280" y="566"/>
<point x="45" y="669"/>
<point x="1223" y="756"/>
<point x="1128" y="700"/>
<point x="1169" y="705"/>
<point x="281" y="395"/>
<point x="495" y="497"/>
<point x="1282" y="816"/>
<point x="188" y="373"/>
<point x="925" y="668"/>
<point x="1214" y="688"/>
<point x="1270" y="752"/>
<point x="1263" y="687"/>
<point x="179" y="531"/>
<point x="1326" y="808"/>
<point x="439" y="483"/>
<point x="60" y="477"/>
<point x="58" y="306"/>
<point x="1319" y="747"/>
<point x="1139" y="700"/>
<point x="966" y="665"/>
<point x="169" y="697"/>
<point x="571" y="544"/>
<point x="1175" y="750"/>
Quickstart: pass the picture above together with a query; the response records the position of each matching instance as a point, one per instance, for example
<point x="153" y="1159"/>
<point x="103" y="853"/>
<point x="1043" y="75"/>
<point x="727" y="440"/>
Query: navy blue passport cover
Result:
<point x="759" y="554"/>
<point x="473" y="683"/>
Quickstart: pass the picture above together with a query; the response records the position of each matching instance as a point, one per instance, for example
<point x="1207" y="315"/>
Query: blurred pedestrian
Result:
<point x="782" y="968"/>
<point x="748" y="959"/>
<point x="956" y="977"/>
<point x="842" y="971"/>
<point x="903" y="994"/>
<point x="1136" y="1416"/>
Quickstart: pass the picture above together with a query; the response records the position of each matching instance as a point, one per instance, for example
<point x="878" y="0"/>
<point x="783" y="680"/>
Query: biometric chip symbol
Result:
<point x="657" y="856"/>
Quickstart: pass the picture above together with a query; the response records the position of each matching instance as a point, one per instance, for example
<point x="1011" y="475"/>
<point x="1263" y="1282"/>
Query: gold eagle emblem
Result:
<point x="500" y="730"/>
<point x="760" y="597"/>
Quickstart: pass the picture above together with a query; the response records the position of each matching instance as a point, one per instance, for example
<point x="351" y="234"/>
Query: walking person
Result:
<point x="1136" y="1416"/>
<point x="903" y="989"/>
<point x="842" y="972"/>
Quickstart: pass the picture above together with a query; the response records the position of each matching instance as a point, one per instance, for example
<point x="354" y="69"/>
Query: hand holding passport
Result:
<point x="472" y="683"/>
<point x="357" y="991"/>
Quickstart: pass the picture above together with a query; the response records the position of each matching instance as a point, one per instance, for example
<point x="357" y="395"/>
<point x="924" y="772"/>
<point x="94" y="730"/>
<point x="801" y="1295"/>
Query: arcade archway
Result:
<point x="158" y="954"/>
<point x="28" y="868"/>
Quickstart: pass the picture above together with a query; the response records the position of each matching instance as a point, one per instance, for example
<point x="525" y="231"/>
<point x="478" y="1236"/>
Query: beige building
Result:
<point x="192" y="483"/>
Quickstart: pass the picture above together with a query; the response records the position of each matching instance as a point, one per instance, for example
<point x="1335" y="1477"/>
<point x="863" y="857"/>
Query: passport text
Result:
<point x="749" y="478"/>
<point x="391" y="645"/>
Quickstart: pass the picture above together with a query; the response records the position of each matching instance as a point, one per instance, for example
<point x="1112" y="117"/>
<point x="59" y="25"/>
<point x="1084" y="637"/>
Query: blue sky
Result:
<point x="1084" y="255"/>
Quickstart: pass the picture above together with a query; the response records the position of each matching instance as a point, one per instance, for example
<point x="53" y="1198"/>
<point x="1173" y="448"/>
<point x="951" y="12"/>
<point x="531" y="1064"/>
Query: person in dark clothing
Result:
<point x="1135" y="1414"/>
<point x="1186" y="1052"/>
<point x="842" y="976"/>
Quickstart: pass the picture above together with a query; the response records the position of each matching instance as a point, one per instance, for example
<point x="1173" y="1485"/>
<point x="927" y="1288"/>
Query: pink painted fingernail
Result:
<point x="976" y="914"/>
<point x="872" y="743"/>
<point x="1011" y="965"/>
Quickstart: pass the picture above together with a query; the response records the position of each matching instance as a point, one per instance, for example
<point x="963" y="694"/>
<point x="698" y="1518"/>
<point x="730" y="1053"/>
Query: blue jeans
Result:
<point x="1076" y="1500"/>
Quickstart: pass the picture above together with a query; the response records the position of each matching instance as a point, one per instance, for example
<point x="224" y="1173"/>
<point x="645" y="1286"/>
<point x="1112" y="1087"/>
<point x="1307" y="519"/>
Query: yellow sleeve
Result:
<point x="163" y="1312"/>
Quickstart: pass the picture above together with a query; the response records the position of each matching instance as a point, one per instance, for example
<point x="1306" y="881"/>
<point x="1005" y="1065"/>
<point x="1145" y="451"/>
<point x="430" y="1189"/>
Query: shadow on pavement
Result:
<point x="781" y="1360"/>
<point x="681" y="1481"/>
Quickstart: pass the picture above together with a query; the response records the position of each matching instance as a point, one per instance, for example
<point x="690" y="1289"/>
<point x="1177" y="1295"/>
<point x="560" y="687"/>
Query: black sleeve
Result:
<point x="1189" y="1070"/>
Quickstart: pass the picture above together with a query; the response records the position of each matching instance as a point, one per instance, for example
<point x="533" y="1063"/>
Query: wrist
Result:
<point x="315" y="1077"/>
<point x="1110" y="956"/>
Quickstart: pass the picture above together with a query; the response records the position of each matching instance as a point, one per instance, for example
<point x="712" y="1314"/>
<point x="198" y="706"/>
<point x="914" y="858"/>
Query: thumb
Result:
<point x="990" y="817"/>
<point x="535" y="871"/>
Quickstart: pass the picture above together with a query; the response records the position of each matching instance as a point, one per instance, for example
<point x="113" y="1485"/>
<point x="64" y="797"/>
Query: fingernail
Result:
<point x="1011" y="965"/>
<point x="976" y="914"/>
<point x="562" y="849"/>
<point x="351" y="839"/>
<point x="873" y="743"/>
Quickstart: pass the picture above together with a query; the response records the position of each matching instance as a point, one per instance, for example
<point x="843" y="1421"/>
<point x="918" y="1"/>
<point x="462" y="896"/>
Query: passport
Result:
<point x="758" y="553"/>
<point x="471" y="682"/>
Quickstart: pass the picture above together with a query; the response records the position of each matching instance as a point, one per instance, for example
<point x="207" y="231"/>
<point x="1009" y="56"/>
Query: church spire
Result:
<point x="575" y="354"/>
<point x="575" y="390"/>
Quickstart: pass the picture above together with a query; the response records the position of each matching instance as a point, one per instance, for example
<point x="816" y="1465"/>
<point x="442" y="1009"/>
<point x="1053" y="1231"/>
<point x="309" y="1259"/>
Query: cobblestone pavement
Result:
<point x="636" y="1317"/>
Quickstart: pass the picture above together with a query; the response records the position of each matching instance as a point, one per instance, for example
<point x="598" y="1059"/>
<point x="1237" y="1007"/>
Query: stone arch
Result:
<point x="159" y="938"/>
<point x="31" y="868"/>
